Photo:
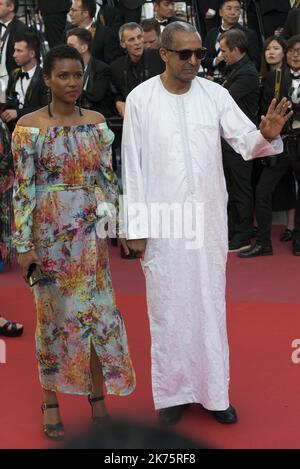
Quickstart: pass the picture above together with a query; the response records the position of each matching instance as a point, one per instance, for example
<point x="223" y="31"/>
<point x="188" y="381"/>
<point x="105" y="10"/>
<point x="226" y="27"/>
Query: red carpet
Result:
<point x="263" y="320"/>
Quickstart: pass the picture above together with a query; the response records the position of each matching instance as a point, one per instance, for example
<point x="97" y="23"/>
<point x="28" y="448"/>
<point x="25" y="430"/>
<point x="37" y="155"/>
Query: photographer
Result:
<point x="289" y="85"/>
<point x="230" y="11"/>
<point x="242" y="82"/>
<point x="26" y="91"/>
<point x="135" y="67"/>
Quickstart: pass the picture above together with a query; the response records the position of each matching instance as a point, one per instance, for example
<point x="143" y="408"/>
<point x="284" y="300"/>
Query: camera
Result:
<point x="12" y="101"/>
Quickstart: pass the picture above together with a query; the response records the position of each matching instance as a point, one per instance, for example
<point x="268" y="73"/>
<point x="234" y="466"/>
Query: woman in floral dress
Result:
<point x="62" y="160"/>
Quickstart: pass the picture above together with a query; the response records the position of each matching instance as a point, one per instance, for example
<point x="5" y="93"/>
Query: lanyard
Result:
<point x="3" y="40"/>
<point x="87" y="74"/>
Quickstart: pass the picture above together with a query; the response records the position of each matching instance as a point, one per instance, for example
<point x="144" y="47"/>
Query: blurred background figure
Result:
<point x="164" y="12"/>
<point x="96" y="87"/>
<point x="135" y="67"/>
<point x="292" y="24"/>
<point x="151" y="30"/>
<point x="266" y="16"/>
<point x="230" y="11"/>
<point x="54" y="14"/>
<point x="130" y="10"/>
<point x="209" y="17"/>
<point x="26" y="91"/>
<point x="10" y="27"/>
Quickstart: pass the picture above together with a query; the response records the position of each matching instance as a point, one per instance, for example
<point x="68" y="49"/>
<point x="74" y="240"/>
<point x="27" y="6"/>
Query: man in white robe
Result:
<point x="171" y="154"/>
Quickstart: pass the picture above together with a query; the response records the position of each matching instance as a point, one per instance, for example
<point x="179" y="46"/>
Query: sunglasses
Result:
<point x="186" y="54"/>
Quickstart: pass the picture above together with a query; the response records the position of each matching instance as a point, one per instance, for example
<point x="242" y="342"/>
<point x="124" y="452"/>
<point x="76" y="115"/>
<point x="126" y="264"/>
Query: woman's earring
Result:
<point x="79" y="105"/>
<point x="49" y="99"/>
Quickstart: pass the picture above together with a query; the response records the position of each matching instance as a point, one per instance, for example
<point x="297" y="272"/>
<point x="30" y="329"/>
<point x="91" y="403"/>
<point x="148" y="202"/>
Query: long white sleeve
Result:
<point x="134" y="205"/>
<point x="243" y="135"/>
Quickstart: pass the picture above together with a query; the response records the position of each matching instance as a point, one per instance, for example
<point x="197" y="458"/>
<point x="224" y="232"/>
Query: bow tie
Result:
<point x="295" y="75"/>
<point x="24" y="75"/>
<point x="163" y="22"/>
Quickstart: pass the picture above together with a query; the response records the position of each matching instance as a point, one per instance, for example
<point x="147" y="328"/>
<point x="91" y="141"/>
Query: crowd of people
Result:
<point x="110" y="68"/>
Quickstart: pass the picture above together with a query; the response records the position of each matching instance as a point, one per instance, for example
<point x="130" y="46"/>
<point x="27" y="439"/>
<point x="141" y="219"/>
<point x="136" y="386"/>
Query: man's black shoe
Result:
<point x="296" y="247"/>
<point x="225" y="416"/>
<point x="287" y="235"/>
<point x="257" y="250"/>
<point x="171" y="415"/>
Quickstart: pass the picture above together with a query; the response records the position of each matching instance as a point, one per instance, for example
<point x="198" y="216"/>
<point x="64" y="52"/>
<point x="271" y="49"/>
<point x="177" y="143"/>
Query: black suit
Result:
<point x="254" y="49"/>
<point x="36" y="95"/>
<point x="109" y="16"/>
<point x="273" y="14"/>
<point x="106" y="46"/>
<point x="126" y="75"/>
<point x="97" y="96"/>
<point x="54" y="6"/>
<point x="132" y="4"/>
<point x="207" y="24"/>
<point x="54" y="13"/>
<point x="292" y="24"/>
<point x="242" y="82"/>
<point x="130" y="10"/>
<point x="17" y="28"/>
<point x="266" y="6"/>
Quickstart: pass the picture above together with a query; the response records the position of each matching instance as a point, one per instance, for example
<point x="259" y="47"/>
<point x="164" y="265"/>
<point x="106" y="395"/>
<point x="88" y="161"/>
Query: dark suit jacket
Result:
<point x="17" y="28"/>
<point x="204" y="5"/>
<point x="151" y="65"/>
<point x="266" y="6"/>
<point x="132" y="4"/>
<point x="292" y="24"/>
<point x="54" y="6"/>
<point x="268" y="88"/>
<point x="106" y="46"/>
<point x="242" y="81"/>
<point x="254" y="48"/>
<point x="110" y="16"/>
<point x="36" y="95"/>
<point x="97" y="95"/>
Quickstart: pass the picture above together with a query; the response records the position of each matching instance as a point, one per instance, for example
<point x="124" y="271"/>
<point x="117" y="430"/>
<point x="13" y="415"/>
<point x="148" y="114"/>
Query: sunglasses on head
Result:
<point x="186" y="54"/>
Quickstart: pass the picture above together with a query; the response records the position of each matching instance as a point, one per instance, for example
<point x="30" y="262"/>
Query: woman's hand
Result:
<point x="27" y="258"/>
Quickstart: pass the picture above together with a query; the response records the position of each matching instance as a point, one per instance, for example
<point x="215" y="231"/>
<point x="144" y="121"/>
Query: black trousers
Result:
<point x="266" y="185"/>
<point x="128" y="16"/>
<point x="238" y="174"/>
<point x="55" y="24"/>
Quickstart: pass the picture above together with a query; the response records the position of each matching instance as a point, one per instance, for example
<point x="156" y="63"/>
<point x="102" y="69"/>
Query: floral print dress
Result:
<point x="58" y="172"/>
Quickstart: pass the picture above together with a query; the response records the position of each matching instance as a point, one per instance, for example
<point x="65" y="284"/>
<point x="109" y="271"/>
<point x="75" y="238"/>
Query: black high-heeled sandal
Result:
<point x="98" y="420"/>
<point x="50" y="429"/>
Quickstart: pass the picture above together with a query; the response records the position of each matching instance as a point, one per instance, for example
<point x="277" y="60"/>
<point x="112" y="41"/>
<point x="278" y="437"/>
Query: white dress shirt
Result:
<point x="3" y="69"/>
<point x="22" y="86"/>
